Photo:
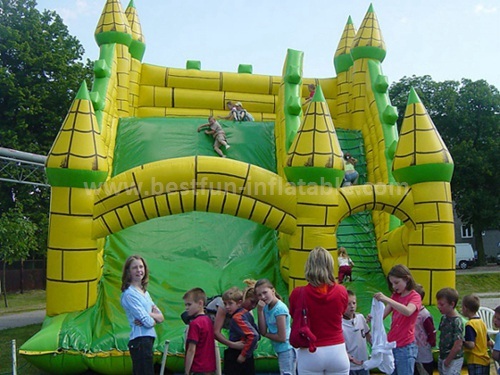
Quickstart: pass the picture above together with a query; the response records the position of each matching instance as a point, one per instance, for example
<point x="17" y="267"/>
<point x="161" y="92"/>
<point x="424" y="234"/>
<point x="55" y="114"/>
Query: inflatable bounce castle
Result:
<point x="131" y="175"/>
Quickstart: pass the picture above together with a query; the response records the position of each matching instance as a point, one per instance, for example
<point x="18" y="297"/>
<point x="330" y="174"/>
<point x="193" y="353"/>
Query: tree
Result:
<point x="467" y="115"/>
<point x="40" y="71"/>
<point x="41" y="68"/>
<point x="17" y="239"/>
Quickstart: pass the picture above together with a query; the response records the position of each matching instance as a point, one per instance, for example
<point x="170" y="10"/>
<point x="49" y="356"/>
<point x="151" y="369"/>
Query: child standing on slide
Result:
<point x="274" y="323"/>
<point x="345" y="265"/>
<point x="312" y="90"/>
<point x="233" y="115"/>
<point x="241" y="113"/>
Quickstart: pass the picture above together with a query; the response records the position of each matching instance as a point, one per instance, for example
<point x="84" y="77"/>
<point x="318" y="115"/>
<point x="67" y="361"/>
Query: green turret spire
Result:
<point x="113" y="26"/>
<point x="343" y="59"/>
<point x="138" y="44"/>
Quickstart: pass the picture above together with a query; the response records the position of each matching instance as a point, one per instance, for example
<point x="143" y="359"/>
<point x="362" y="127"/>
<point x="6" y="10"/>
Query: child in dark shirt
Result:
<point x="451" y="354"/>
<point x="242" y="328"/>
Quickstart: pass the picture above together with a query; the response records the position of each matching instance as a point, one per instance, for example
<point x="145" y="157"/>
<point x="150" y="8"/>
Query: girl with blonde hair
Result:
<point x="325" y="302"/>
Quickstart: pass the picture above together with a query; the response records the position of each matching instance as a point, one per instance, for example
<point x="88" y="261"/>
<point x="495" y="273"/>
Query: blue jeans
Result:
<point x="359" y="372"/>
<point x="404" y="359"/>
<point x="287" y="362"/>
<point x="351" y="176"/>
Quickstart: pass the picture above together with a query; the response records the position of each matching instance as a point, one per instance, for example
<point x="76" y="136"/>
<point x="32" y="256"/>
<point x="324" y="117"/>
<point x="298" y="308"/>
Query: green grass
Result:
<point x="28" y="301"/>
<point x="478" y="283"/>
<point x="17" y="302"/>
<point x="21" y="335"/>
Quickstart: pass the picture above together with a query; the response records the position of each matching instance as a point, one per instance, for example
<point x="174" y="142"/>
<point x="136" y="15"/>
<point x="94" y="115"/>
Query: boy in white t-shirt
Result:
<point x="356" y="334"/>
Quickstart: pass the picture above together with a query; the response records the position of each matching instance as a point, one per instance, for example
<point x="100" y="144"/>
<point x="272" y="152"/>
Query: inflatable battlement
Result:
<point x="196" y="93"/>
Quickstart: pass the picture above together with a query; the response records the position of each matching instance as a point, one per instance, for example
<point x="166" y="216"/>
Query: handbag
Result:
<point x="300" y="334"/>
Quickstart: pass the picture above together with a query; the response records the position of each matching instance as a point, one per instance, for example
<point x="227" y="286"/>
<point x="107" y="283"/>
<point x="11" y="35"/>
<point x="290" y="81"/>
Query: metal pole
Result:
<point x="20" y="155"/>
<point x="14" y="358"/>
<point x="218" y="370"/>
<point x="164" y="357"/>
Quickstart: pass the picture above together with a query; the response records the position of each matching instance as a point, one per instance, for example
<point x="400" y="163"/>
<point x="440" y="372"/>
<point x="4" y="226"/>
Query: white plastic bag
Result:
<point x="382" y="356"/>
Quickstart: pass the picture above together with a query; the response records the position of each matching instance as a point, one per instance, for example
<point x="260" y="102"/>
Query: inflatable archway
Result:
<point x="130" y="174"/>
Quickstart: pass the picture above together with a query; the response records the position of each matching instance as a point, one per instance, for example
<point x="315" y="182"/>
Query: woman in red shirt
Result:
<point x="325" y="301"/>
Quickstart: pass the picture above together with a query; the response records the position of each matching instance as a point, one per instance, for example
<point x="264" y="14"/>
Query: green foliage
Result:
<point x="467" y="115"/>
<point x="41" y="68"/>
<point x="17" y="239"/>
<point x="17" y="236"/>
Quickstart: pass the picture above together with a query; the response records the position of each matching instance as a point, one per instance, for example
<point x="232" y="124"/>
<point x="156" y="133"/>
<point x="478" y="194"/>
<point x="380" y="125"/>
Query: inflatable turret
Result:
<point x="315" y="155"/>
<point x="343" y="66"/>
<point x="76" y="167"/>
<point x="424" y="163"/>
<point x="137" y="49"/>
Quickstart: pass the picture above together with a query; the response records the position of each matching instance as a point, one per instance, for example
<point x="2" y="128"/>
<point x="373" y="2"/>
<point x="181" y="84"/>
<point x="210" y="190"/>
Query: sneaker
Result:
<point x="228" y="147"/>
<point x="223" y="156"/>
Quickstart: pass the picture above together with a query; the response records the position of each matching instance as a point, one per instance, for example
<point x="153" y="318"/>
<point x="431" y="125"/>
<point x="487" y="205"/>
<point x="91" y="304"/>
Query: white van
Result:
<point x="464" y="255"/>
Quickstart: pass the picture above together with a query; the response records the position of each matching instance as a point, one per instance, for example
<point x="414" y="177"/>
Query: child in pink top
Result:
<point x="404" y="304"/>
<point x="425" y="338"/>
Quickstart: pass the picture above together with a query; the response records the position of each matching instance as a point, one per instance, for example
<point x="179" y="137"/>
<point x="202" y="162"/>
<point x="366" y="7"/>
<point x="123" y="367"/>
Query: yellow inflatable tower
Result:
<point x="76" y="166"/>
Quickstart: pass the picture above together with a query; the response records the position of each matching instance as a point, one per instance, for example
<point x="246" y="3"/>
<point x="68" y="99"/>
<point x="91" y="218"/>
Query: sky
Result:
<point x="446" y="39"/>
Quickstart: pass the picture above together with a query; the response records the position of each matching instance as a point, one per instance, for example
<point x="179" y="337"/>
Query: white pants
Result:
<point x="326" y="360"/>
